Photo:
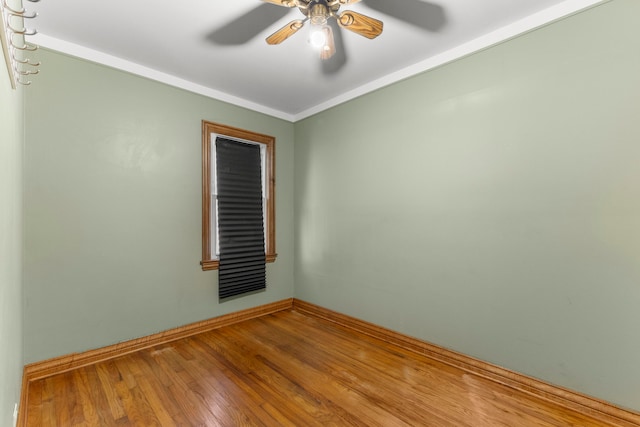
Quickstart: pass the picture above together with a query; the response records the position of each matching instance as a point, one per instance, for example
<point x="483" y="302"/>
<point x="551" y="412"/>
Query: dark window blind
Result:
<point x="240" y="218"/>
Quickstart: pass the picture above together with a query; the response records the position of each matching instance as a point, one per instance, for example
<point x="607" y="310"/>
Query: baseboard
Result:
<point x="595" y="408"/>
<point x="57" y="365"/>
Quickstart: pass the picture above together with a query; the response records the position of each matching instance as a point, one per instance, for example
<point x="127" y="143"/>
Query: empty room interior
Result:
<point x="476" y="209"/>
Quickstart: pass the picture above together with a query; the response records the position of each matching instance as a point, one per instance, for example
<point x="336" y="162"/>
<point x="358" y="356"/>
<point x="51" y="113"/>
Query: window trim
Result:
<point x="209" y="128"/>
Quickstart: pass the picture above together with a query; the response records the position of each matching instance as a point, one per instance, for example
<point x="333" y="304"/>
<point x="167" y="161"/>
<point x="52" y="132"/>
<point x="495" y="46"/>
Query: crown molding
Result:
<point x="525" y="25"/>
<point x="102" y="58"/>
<point x="530" y="23"/>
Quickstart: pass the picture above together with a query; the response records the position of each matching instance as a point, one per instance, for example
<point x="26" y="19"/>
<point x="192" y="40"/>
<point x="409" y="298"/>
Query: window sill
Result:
<point x="215" y="264"/>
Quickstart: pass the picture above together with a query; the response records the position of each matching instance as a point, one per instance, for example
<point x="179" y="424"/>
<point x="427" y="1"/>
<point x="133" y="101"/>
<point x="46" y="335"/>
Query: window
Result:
<point x="210" y="228"/>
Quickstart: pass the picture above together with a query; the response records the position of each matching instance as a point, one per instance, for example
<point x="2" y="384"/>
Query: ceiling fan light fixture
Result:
<point x="321" y="39"/>
<point x="318" y="37"/>
<point x="318" y="12"/>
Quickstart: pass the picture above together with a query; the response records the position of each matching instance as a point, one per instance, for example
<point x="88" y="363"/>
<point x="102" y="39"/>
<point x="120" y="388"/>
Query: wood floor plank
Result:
<point x="284" y="369"/>
<point x="319" y="380"/>
<point x="260" y="377"/>
<point x="161" y="386"/>
<point x="107" y="375"/>
<point x="133" y="400"/>
<point x="48" y="410"/>
<point x="35" y="403"/>
<point x="90" y="399"/>
<point x="367" y="378"/>
<point x="241" y="400"/>
<point x="154" y="391"/>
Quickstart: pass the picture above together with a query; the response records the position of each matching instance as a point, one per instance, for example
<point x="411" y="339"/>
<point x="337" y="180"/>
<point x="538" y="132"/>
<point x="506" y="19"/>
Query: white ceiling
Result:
<point x="217" y="48"/>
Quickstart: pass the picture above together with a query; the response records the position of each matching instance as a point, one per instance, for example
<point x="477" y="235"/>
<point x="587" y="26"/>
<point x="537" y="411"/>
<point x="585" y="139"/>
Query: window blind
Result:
<point x="240" y="218"/>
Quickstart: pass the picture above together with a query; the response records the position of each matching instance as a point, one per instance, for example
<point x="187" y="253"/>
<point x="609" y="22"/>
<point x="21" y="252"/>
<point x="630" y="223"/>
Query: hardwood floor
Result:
<point x="283" y="369"/>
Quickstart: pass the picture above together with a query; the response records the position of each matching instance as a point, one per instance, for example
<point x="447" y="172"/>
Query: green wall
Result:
<point x="492" y="205"/>
<point x="11" y="147"/>
<point x="113" y="208"/>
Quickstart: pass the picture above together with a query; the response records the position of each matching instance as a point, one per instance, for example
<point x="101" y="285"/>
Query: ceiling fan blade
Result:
<point x="361" y="24"/>
<point x="423" y="14"/>
<point x="285" y="32"/>
<point x="329" y="48"/>
<point x="334" y="64"/>
<point x="247" y="26"/>
<point x="285" y="3"/>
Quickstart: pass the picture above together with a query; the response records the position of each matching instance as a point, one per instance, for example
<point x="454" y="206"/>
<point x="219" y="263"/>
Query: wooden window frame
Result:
<point x="208" y="128"/>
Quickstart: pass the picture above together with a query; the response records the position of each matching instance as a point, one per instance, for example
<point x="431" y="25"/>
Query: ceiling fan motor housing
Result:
<point x="318" y="12"/>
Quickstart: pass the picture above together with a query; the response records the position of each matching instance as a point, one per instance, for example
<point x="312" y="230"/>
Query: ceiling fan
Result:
<point x="318" y="12"/>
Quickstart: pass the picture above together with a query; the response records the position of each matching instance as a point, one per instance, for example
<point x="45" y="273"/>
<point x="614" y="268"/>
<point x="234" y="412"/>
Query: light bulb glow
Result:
<point x="318" y="38"/>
